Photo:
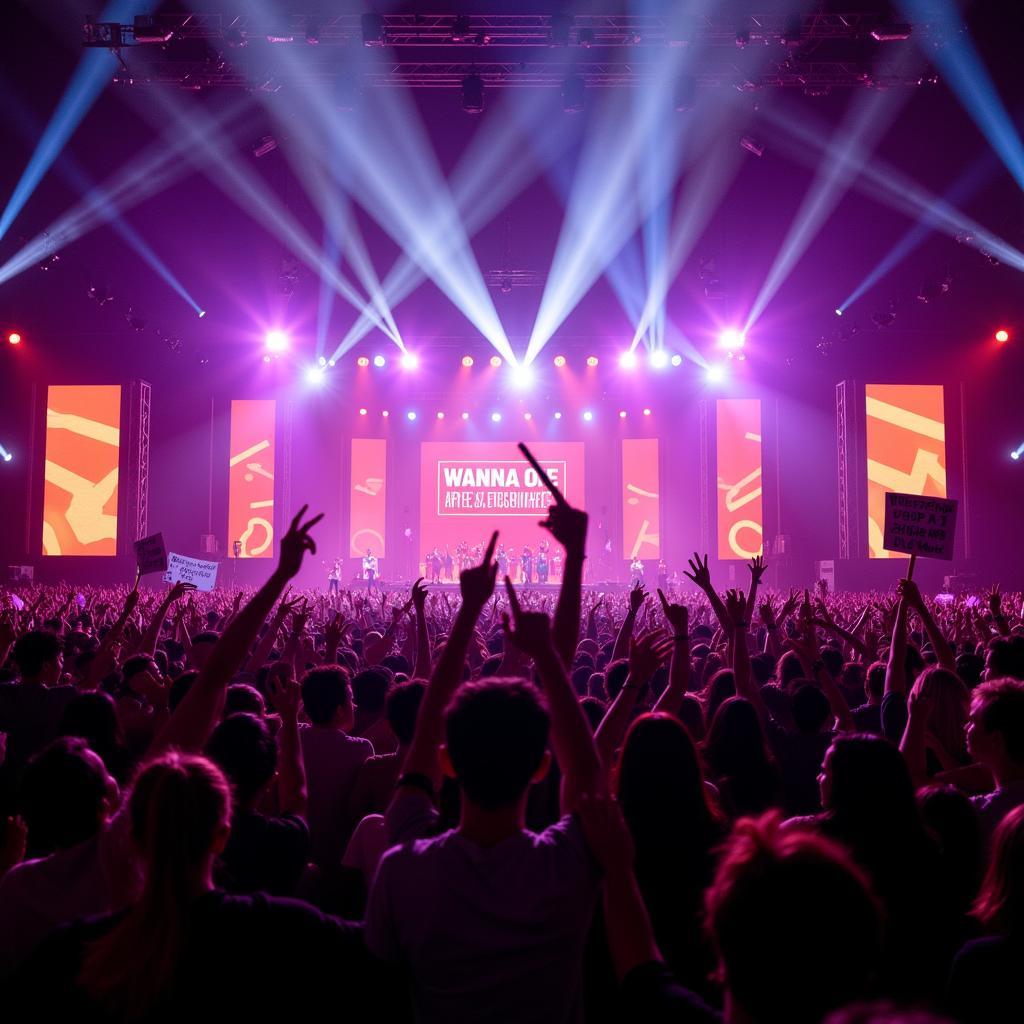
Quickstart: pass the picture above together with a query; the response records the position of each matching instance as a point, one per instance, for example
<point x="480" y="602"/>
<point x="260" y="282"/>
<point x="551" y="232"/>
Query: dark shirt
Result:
<point x="984" y="984"/>
<point x="30" y="715"/>
<point x="653" y="995"/>
<point x="868" y="718"/>
<point x="264" y="854"/>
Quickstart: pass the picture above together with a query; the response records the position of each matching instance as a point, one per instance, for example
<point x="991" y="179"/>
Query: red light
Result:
<point x="1002" y="335"/>
<point x="14" y="338"/>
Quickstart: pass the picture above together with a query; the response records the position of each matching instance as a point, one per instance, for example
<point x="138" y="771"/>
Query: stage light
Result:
<point x="465" y="415"/>
<point x="385" y="414"/>
<point x="627" y="361"/>
<point x="716" y="374"/>
<point x="732" y="339"/>
<point x="527" y="416"/>
<point x="5" y="454"/>
<point x="362" y="412"/>
<point x="315" y="375"/>
<point x="411" y="415"/>
<point x="591" y="360"/>
<point x="1015" y="454"/>
<point x="558" y="415"/>
<point x="647" y="412"/>
<point x="440" y="415"/>
<point x="495" y="417"/>
<point x="622" y="414"/>
<point x="409" y="361"/>
<point x="839" y="312"/>
<point x="467" y="361"/>
<point x="202" y="313"/>
<point x="379" y="361"/>
<point x="266" y="359"/>
<point x="495" y="361"/>
<point x="659" y="359"/>
<point x="588" y="416"/>
<point x="522" y="375"/>
<point x="14" y="338"/>
<point x="362" y="361"/>
<point x="330" y="362"/>
<point x="559" y="361"/>
<point x="677" y="360"/>
<point x="1002" y="336"/>
<point x="276" y="341"/>
<point x="322" y="361"/>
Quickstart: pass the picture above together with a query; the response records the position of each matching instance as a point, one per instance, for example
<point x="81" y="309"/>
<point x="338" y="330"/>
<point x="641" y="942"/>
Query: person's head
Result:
<point x="864" y="779"/>
<point x="794" y="922"/>
<point x="245" y="751"/>
<point x="970" y="668"/>
<point x="496" y="741"/>
<point x="735" y="741"/>
<point x="241" y="697"/>
<point x="66" y="794"/>
<point x="762" y="668"/>
<point x="370" y="690"/>
<point x="721" y="687"/>
<point x="659" y="779"/>
<point x="403" y="704"/>
<point x="995" y="727"/>
<point x="832" y="659"/>
<point x="691" y="714"/>
<point x="1005" y="657"/>
<point x="789" y="669"/>
<point x="202" y="645"/>
<point x="136" y="665"/>
<point x="327" y="696"/>
<point x="396" y="664"/>
<point x="950" y="817"/>
<point x="615" y="677"/>
<point x="874" y="682"/>
<point x="180" y="814"/>
<point x="39" y="657"/>
<point x="594" y="711"/>
<point x="810" y="709"/>
<point x="580" y="679"/>
<point x="1000" y="903"/>
<point x="950" y="701"/>
<point x="93" y="718"/>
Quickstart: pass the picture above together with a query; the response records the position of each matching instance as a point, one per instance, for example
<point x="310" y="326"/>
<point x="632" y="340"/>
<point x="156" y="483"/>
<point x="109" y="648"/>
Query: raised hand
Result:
<point x="532" y="630"/>
<point x="284" y="692"/>
<point x="180" y="589"/>
<point x="568" y="526"/>
<point x="477" y="583"/>
<point x="788" y="607"/>
<point x="757" y="568"/>
<point x="908" y="590"/>
<point x="767" y="613"/>
<point x="419" y="594"/>
<point x="995" y="601"/>
<point x="295" y="543"/>
<point x="699" y="572"/>
<point x="647" y="654"/>
<point x="636" y="597"/>
<point x="736" y="608"/>
<point x="677" y="615"/>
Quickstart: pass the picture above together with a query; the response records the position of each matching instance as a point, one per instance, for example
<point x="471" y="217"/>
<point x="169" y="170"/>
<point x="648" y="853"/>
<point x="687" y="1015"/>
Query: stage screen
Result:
<point x="738" y="441"/>
<point x="469" y="489"/>
<point x="83" y="448"/>
<point x="641" y="503"/>
<point x="906" y="449"/>
<point x="251" y="478"/>
<point x="368" y="497"/>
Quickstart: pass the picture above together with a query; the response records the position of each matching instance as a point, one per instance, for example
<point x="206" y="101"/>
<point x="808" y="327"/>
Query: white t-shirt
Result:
<point x="489" y="933"/>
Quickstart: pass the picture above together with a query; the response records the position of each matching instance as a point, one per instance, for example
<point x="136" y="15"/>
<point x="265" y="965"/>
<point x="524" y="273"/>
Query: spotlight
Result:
<point x="473" y="94"/>
<point x="591" y="360"/>
<point x="716" y="374"/>
<point x="522" y="375"/>
<point x="14" y="338"/>
<point x="527" y="416"/>
<point x="495" y="361"/>
<point x="409" y="361"/>
<point x="574" y="92"/>
<point x="465" y="415"/>
<point x="322" y="361"/>
<point x="385" y="414"/>
<point x="732" y="339"/>
<point x="647" y="412"/>
<point x="627" y="361"/>
<point x="559" y="361"/>
<point x="1002" y="335"/>
<point x="363" y="361"/>
<point x="440" y="415"/>
<point x="330" y="362"/>
<point x="588" y="416"/>
<point x="1017" y="453"/>
<point x="266" y="359"/>
<point x="372" y="27"/>
<point x="558" y="415"/>
<point x="379" y="361"/>
<point x="659" y="359"/>
<point x="495" y="417"/>
<point x="839" y="312"/>
<point x="5" y="454"/>
<point x="622" y="414"/>
<point x="362" y="412"/>
<point x="315" y="375"/>
<point x="467" y="361"/>
<point x="202" y="313"/>
<point x="411" y="415"/>
<point x="276" y="341"/>
<point x="677" y="360"/>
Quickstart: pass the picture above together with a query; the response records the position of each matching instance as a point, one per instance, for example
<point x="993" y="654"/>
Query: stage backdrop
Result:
<point x="906" y="449"/>
<point x="468" y="489"/>
<point x="83" y="447"/>
<point x="251" y="477"/>
<point x="738" y="442"/>
<point x="368" y="497"/>
<point x="641" y="502"/>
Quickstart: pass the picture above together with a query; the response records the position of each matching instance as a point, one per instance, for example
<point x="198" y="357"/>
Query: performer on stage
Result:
<point x="334" y="577"/>
<point x="527" y="563"/>
<point x="502" y="558"/>
<point x="370" y="569"/>
<point x="636" y="571"/>
<point x="542" y="566"/>
<point x="449" y="565"/>
<point x="662" y="575"/>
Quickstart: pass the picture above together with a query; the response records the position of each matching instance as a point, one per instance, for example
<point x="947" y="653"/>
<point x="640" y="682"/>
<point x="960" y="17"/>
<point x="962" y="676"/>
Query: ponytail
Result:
<point x="177" y="806"/>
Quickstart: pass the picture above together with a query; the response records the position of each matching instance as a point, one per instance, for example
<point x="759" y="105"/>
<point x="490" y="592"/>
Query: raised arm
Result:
<point x="193" y="720"/>
<point x="757" y="570"/>
<point x="737" y="612"/>
<point x="285" y="697"/>
<point x="678" y="617"/>
<point x="896" y="669"/>
<point x="995" y="604"/>
<point x="419" y="603"/>
<point x="808" y="651"/>
<point x="476" y="585"/>
<point x="269" y="638"/>
<point x="147" y="645"/>
<point x="570" y="735"/>
<point x="700" y="574"/>
<point x="625" y="634"/>
<point x="568" y="526"/>
<point x="940" y="645"/>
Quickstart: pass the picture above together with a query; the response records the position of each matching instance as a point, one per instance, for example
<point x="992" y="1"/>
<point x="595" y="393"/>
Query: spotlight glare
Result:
<point x="330" y="362"/>
<point x="495" y="361"/>
<point x="322" y="361"/>
<point x="276" y="341"/>
<point x="659" y="359"/>
<point x="627" y="361"/>
<point x="315" y="375"/>
<point x="362" y="361"/>
<point x="409" y="361"/>
<point x="495" y="417"/>
<point x="559" y="361"/>
<point x="440" y="415"/>
<point x="558" y="415"/>
<point x="1002" y="335"/>
<point x="522" y="375"/>
<point x="467" y="361"/>
<point x="379" y="361"/>
<point x="588" y="416"/>
<point x="14" y="338"/>
<point x="622" y="414"/>
<point x="266" y="359"/>
<point x="716" y="374"/>
<point x="202" y="313"/>
<point x="1017" y="452"/>
<point x="385" y="414"/>
<point x="647" y="412"/>
<point x="591" y="360"/>
<point x="527" y="416"/>
<point x="362" y="412"/>
<point x="732" y="339"/>
<point x="839" y="311"/>
<point x="677" y="360"/>
<point x="411" y="415"/>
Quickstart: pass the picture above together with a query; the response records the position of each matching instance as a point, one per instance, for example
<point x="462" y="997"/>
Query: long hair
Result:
<point x="948" y="719"/>
<point x="1000" y="903"/>
<point x="178" y="805"/>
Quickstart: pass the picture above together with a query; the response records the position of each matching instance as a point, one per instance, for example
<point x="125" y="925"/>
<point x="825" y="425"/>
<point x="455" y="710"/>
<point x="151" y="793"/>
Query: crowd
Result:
<point x="696" y="806"/>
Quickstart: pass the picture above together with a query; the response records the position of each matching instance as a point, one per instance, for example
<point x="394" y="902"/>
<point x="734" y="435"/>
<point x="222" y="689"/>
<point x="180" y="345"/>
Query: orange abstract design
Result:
<point x="367" y="497"/>
<point x="738" y="437"/>
<point x="641" y="508"/>
<point x="906" y="449"/>
<point x="83" y="448"/>
<point x="251" y="477"/>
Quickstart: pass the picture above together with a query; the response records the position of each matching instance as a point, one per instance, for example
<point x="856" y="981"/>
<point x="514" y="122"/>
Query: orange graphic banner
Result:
<point x="251" y="477"/>
<point x="83" y="448"/>
<point x="368" y="497"/>
<point x="641" y="503"/>
<point x="906" y="449"/>
<point x="738" y="436"/>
